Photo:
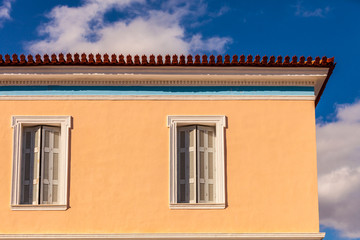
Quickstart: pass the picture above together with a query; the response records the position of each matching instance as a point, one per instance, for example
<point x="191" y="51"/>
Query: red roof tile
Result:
<point x="175" y="60"/>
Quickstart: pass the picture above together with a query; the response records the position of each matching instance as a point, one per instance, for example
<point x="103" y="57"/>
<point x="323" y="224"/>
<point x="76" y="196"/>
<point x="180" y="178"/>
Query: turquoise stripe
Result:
<point x="155" y="90"/>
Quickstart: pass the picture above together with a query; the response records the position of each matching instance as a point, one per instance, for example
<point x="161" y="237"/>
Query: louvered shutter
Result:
<point x="186" y="164"/>
<point x="30" y="165"/>
<point x="206" y="164"/>
<point x="50" y="165"/>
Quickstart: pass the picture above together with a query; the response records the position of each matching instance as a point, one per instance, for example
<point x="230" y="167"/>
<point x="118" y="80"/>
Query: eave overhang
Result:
<point x="316" y="77"/>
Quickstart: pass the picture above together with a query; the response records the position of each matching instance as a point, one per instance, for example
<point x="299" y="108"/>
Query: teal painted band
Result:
<point x="155" y="90"/>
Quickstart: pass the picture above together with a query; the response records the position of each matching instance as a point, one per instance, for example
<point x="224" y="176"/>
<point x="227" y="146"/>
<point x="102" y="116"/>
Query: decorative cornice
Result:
<point x="88" y="75"/>
<point x="173" y="236"/>
<point x="180" y="82"/>
<point x="183" y="76"/>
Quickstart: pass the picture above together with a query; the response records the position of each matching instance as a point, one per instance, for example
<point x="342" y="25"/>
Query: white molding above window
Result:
<point x="219" y="122"/>
<point x="18" y="123"/>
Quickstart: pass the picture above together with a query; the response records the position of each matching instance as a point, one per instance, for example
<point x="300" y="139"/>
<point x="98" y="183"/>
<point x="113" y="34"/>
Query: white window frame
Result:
<point x="219" y="121"/>
<point x="18" y="123"/>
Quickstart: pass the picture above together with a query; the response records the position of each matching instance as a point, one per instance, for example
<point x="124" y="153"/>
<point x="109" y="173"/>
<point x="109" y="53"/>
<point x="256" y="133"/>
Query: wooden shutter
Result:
<point x="30" y="165"/>
<point x="186" y="164"/>
<point x="206" y="164"/>
<point x="50" y="165"/>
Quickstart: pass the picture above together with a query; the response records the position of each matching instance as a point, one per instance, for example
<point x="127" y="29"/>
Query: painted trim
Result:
<point x="157" y="90"/>
<point x="155" y="97"/>
<point x="39" y="207"/>
<point x="219" y="122"/>
<point x="173" y="236"/>
<point x="159" y="80"/>
<point x="17" y="123"/>
<point x="197" y="206"/>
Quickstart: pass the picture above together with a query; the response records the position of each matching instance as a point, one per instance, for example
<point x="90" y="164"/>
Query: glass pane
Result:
<point x="202" y="165"/>
<point x="28" y="140"/>
<point x="55" y="166"/>
<point x="211" y="192"/>
<point x="191" y="167"/>
<point x="45" y="192"/>
<point x="54" y="193"/>
<point x="36" y="160"/>
<point x="182" y="139"/>
<point x="182" y="165"/>
<point x="47" y="139"/>
<point x="56" y="139"/>
<point x="192" y="197"/>
<point x="27" y="166"/>
<point x="46" y="165"/>
<point x="201" y="141"/>
<point x="35" y="194"/>
<point x="192" y="137"/>
<point x="182" y="192"/>
<point x="210" y="139"/>
<point x="26" y="194"/>
<point x="37" y="138"/>
<point x="210" y="165"/>
<point x="202" y="191"/>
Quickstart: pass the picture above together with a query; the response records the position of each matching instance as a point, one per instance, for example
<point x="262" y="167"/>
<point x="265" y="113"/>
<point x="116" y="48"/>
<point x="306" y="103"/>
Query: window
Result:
<point x="40" y="160"/>
<point x="197" y="162"/>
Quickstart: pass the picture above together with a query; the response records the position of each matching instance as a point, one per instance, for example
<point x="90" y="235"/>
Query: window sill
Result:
<point x="43" y="207"/>
<point x="197" y="206"/>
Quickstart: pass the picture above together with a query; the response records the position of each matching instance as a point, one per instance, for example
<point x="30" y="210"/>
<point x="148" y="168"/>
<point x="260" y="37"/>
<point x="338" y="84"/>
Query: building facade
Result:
<point x="172" y="148"/>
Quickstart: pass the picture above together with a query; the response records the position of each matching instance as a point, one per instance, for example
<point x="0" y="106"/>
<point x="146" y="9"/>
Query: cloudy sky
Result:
<point x="285" y="27"/>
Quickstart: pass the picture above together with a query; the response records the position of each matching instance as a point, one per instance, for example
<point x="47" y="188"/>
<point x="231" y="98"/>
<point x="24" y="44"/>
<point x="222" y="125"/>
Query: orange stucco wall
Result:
<point x="119" y="168"/>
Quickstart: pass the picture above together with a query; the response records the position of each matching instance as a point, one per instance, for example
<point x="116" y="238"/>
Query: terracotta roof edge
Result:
<point x="174" y="60"/>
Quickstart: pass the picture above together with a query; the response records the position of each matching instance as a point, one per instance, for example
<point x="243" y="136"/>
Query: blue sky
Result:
<point x="285" y="27"/>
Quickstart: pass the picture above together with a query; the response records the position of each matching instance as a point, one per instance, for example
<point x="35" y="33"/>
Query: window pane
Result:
<point x="36" y="158"/>
<point x="27" y="166"/>
<point x="182" y="139"/>
<point x="45" y="192"/>
<point x="26" y="193"/>
<point x="191" y="167"/>
<point x="210" y="139"/>
<point x="47" y="139"/>
<point x="28" y="140"/>
<point x="182" y="192"/>
<point x="46" y="165"/>
<point x="202" y="165"/>
<point x="211" y="192"/>
<point x="192" y="138"/>
<point x="210" y="165"/>
<point x="56" y="139"/>
<point x="192" y="195"/>
<point x="37" y="133"/>
<point x="54" y="193"/>
<point x="202" y="191"/>
<point x="201" y="137"/>
<point x="55" y="166"/>
<point x="182" y="165"/>
<point x="35" y="193"/>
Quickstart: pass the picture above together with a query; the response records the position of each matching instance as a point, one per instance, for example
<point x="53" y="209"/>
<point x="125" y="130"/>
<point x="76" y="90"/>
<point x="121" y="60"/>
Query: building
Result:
<point x="159" y="148"/>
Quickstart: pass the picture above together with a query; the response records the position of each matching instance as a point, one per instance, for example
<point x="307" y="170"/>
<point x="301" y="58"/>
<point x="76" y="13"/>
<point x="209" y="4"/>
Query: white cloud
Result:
<point x="318" y="12"/>
<point x="155" y="31"/>
<point x="338" y="145"/>
<point x="5" y="9"/>
<point x="198" y="43"/>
